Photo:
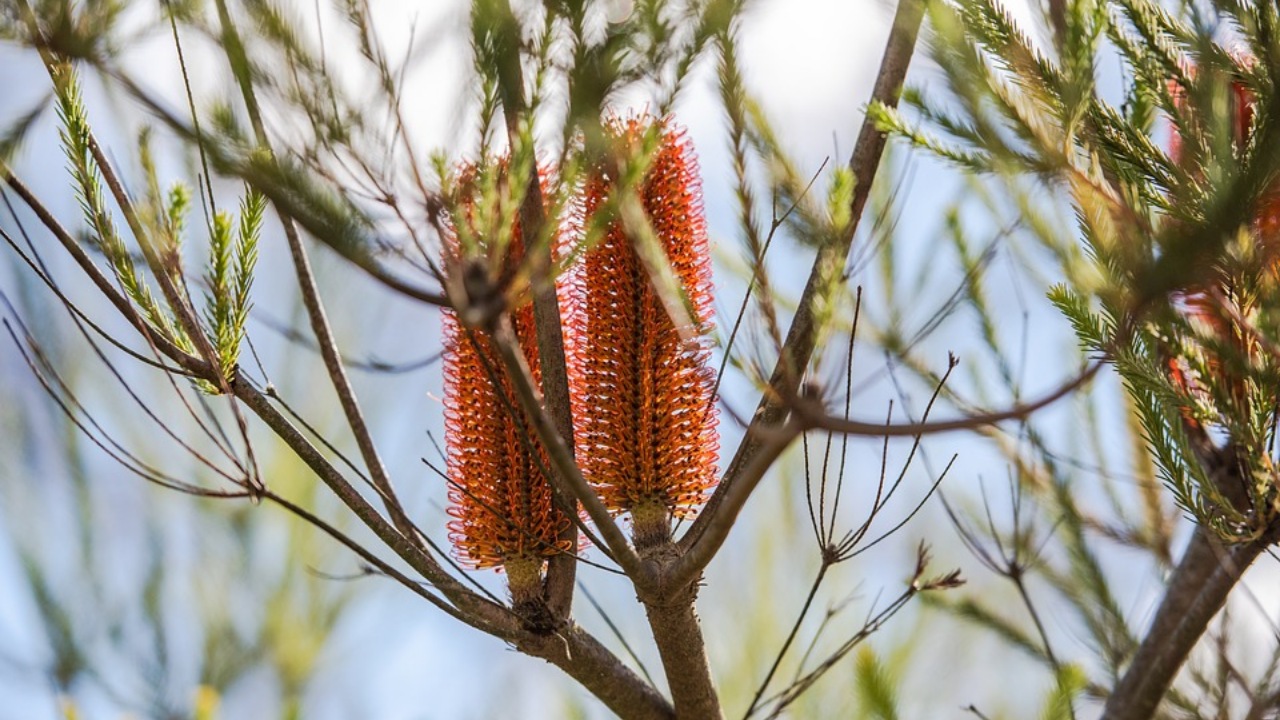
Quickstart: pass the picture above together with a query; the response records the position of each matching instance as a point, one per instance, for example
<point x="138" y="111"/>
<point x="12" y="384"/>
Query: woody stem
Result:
<point x="673" y="620"/>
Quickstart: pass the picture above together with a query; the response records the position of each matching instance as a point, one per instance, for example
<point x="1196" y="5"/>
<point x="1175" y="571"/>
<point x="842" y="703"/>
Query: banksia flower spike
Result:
<point x="499" y="496"/>
<point x="644" y="415"/>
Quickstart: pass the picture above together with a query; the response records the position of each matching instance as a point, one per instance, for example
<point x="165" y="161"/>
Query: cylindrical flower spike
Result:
<point x="499" y="495"/>
<point x="645" y="419"/>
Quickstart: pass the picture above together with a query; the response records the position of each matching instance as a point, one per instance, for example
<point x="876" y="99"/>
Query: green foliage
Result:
<point x="232" y="257"/>
<point x="159" y="228"/>
<point x="76" y="140"/>
<point x="1060" y="703"/>
<point x="876" y="692"/>
<point x="1157" y="228"/>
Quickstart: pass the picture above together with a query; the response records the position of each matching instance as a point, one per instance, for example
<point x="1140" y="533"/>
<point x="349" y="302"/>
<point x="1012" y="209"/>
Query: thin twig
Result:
<point x="970" y="422"/>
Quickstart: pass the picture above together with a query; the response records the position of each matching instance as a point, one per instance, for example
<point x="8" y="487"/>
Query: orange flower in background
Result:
<point x="1230" y="285"/>
<point x="1241" y="111"/>
<point x="499" y="496"/>
<point x="644" y="415"/>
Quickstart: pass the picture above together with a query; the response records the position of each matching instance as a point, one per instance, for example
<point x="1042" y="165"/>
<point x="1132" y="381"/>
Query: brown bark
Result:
<point x="1197" y="590"/>
<point x="673" y="620"/>
<point x="583" y="658"/>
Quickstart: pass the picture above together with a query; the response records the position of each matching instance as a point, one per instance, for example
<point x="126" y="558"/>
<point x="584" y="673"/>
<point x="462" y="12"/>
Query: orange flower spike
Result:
<point x="499" y="498"/>
<point x="641" y="387"/>
<point x="1266" y="225"/>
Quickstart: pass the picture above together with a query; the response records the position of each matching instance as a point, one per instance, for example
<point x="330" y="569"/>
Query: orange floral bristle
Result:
<point x="645" y="420"/>
<point x="499" y="497"/>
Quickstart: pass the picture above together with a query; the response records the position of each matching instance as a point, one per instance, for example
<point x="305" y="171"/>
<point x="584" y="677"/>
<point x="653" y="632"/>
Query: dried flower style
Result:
<point x="499" y="496"/>
<point x="645" y="420"/>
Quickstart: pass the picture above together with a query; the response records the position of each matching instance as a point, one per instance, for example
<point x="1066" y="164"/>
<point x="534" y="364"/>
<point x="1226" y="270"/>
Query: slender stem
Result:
<point x="1021" y="585"/>
<point x="968" y="422"/>
<point x="791" y="637"/>
<point x="782" y="700"/>
<point x="361" y="551"/>
<point x="802" y="336"/>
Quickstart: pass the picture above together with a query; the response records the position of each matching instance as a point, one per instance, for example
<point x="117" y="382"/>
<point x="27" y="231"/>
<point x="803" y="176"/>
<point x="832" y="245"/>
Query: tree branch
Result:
<point x="799" y="345"/>
<point x="1197" y="590"/>
<point x="583" y="658"/>
<point x="676" y="631"/>
<point x="814" y="417"/>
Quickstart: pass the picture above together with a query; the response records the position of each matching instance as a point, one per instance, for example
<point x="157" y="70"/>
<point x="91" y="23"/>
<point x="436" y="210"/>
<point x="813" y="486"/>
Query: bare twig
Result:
<point x="691" y="563"/>
<point x="876" y="620"/>
<point x="971" y="422"/>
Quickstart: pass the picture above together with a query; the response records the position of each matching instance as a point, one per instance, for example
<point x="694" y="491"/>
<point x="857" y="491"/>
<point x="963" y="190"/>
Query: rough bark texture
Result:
<point x="673" y="620"/>
<point x="584" y="659"/>
<point x="684" y="657"/>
